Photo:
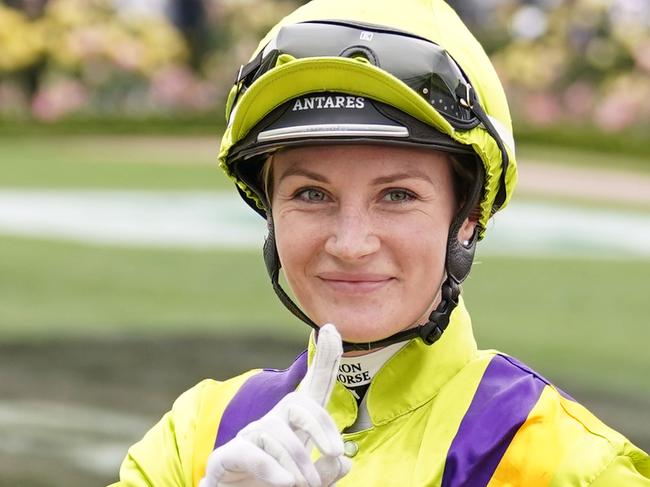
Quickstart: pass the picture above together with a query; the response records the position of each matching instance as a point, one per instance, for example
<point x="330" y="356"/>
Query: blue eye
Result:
<point x="311" y="195"/>
<point x="398" y="195"/>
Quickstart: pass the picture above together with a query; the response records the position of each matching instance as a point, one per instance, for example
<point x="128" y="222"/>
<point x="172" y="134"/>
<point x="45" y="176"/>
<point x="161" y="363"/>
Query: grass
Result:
<point x="587" y="157"/>
<point x="53" y="288"/>
<point x="545" y="310"/>
<point x="128" y="329"/>
<point x="579" y="321"/>
<point x="107" y="162"/>
<point x="587" y="203"/>
<point x="182" y="162"/>
<point x="588" y="138"/>
<point x="173" y="124"/>
<point x="570" y="137"/>
<point x="571" y="319"/>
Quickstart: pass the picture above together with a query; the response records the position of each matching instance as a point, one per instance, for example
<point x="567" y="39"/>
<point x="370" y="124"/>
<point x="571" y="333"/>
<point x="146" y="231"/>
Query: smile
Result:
<point x="357" y="284"/>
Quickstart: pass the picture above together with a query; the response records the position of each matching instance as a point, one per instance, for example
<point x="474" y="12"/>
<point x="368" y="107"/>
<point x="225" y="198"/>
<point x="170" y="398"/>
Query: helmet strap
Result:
<point x="272" y="261"/>
<point x="458" y="263"/>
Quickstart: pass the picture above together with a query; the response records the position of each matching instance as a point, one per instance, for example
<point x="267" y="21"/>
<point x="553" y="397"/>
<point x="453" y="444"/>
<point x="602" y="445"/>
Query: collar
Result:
<point x="412" y="377"/>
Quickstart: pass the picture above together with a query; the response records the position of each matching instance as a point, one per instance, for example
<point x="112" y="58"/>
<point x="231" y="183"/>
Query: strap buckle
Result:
<point x="465" y="98"/>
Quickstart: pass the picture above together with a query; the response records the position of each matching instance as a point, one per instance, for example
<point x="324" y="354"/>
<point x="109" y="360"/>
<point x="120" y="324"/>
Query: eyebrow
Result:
<point x="412" y="174"/>
<point x="391" y="178"/>
<point x="298" y="171"/>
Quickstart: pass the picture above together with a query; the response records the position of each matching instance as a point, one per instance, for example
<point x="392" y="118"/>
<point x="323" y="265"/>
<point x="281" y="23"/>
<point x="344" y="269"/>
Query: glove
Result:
<point x="275" y="450"/>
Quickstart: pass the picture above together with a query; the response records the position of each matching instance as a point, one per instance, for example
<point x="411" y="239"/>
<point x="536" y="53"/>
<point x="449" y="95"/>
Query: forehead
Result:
<point x="371" y="160"/>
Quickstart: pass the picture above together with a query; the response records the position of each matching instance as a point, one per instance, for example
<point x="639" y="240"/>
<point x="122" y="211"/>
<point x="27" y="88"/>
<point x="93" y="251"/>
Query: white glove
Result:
<point x="275" y="449"/>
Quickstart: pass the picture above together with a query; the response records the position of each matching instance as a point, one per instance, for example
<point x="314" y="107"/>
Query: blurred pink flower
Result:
<point x="542" y="108"/>
<point x="128" y="55"/>
<point x="578" y="99"/>
<point x="58" y="99"/>
<point x="13" y="99"/>
<point x="87" y="42"/>
<point x="177" y="87"/>
<point x="642" y="55"/>
<point x="616" y="112"/>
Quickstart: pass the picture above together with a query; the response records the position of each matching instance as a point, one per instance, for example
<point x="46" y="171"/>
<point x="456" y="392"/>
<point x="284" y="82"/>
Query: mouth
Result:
<point x="355" y="283"/>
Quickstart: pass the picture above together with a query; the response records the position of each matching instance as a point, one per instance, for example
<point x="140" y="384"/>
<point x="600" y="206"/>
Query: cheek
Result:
<point x="423" y="252"/>
<point x="420" y="250"/>
<point x="297" y="245"/>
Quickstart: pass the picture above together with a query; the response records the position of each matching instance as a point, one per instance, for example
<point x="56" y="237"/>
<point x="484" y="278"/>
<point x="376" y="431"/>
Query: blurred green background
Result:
<point x="120" y="288"/>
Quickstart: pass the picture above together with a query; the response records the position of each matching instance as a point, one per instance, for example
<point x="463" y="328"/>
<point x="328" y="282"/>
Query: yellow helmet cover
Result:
<point x="432" y="20"/>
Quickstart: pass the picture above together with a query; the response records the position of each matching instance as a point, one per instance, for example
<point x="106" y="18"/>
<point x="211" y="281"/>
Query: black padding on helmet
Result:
<point x="460" y="255"/>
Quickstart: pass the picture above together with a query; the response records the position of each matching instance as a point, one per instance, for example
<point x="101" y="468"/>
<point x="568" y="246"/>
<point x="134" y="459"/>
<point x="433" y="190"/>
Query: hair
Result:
<point x="266" y="177"/>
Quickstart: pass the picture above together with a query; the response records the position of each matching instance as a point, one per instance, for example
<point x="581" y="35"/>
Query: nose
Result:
<point x="353" y="236"/>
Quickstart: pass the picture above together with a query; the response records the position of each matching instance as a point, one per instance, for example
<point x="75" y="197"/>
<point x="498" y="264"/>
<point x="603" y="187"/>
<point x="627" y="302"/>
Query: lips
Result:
<point x="354" y="283"/>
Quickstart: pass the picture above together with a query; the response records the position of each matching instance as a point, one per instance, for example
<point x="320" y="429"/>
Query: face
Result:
<point x="361" y="232"/>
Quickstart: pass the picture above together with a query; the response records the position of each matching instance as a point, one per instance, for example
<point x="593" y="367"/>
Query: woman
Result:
<point x="377" y="146"/>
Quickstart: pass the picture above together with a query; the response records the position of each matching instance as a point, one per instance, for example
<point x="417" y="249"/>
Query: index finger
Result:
<point x="321" y="376"/>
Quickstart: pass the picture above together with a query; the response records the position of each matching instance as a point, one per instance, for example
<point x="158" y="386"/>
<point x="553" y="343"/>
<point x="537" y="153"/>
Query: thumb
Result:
<point x="321" y="376"/>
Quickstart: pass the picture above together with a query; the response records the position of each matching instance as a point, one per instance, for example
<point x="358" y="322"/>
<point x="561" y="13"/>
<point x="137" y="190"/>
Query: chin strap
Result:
<point x="458" y="264"/>
<point x="272" y="261"/>
<point x="430" y="332"/>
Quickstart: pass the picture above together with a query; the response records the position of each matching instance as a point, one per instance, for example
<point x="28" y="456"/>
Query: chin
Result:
<point x="364" y="329"/>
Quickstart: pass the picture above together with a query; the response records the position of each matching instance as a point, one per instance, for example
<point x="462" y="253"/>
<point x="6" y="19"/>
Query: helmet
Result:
<point x="374" y="71"/>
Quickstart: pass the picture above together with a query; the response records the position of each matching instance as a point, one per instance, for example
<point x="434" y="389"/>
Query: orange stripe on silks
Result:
<point x="507" y="393"/>
<point x="539" y="445"/>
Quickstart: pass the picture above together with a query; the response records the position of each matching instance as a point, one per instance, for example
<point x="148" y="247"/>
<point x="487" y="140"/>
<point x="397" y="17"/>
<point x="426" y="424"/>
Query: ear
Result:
<point x="467" y="229"/>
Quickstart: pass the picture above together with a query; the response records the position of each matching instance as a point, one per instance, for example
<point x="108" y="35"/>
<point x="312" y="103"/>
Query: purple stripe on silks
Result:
<point x="525" y="367"/>
<point x="257" y="396"/>
<point x="504" y="398"/>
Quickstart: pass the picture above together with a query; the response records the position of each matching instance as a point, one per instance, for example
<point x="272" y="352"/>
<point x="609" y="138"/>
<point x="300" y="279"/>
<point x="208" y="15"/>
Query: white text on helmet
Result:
<point x="321" y="102"/>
